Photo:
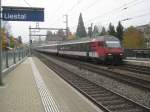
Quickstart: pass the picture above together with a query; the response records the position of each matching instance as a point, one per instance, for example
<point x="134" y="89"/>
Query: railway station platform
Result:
<point x="33" y="87"/>
<point x="140" y="62"/>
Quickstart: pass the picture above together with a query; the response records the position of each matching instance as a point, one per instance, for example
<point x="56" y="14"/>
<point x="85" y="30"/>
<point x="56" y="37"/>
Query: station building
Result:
<point x="146" y="31"/>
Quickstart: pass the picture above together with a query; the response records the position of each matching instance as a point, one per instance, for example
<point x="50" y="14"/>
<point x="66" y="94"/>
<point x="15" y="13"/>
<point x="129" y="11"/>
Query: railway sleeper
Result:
<point x="101" y="95"/>
<point x="121" y="107"/>
<point x="84" y="84"/>
<point x="131" y="110"/>
<point x="110" y="102"/>
<point x="95" y="92"/>
<point x="106" y="98"/>
<point x="89" y="88"/>
<point x="105" y="94"/>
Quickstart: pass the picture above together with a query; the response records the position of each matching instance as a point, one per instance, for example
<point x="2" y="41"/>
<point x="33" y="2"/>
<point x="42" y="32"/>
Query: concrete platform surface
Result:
<point x="138" y="62"/>
<point x="33" y="87"/>
<point x="19" y="94"/>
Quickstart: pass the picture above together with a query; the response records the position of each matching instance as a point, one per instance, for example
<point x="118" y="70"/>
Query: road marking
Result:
<point x="47" y="99"/>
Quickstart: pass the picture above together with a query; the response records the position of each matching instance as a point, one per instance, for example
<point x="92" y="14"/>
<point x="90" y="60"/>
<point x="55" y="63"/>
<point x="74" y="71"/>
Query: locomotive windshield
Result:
<point x="113" y="44"/>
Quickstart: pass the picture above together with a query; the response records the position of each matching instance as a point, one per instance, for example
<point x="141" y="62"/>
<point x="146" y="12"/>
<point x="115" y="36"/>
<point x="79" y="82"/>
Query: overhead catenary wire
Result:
<point x="74" y="6"/>
<point x="131" y="18"/>
<point x="125" y="19"/>
<point x="91" y="5"/>
<point x="57" y="10"/>
<point x="132" y="5"/>
<point x="121" y="8"/>
<point x="138" y="16"/>
<point x="70" y="9"/>
<point x="128" y="18"/>
<point x="27" y="3"/>
<point x="106" y="13"/>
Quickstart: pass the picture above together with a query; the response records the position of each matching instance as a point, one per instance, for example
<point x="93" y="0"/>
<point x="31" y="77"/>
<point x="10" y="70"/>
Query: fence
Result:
<point x="13" y="56"/>
<point x="137" y="53"/>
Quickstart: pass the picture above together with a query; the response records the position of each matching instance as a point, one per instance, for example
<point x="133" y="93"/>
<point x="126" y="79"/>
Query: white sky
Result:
<point x="98" y="12"/>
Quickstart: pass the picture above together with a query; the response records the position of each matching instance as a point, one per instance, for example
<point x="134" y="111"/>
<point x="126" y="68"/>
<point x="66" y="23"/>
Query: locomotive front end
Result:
<point x="114" y="51"/>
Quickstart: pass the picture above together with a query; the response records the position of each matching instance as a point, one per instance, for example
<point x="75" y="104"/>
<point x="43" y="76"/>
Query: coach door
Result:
<point x="93" y="50"/>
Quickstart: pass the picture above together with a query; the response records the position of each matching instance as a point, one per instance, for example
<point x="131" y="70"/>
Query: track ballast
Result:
<point x="105" y="99"/>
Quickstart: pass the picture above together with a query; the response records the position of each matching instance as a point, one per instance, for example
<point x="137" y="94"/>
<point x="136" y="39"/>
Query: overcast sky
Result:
<point x="98" y="12"/>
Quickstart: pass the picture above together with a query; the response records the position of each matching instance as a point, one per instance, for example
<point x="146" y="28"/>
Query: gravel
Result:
<point x="136" y="94"/>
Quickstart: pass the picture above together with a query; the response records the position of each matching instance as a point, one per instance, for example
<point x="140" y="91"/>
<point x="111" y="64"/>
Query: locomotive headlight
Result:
<point x="109" y="54"/>
<point x="121" y="54"/>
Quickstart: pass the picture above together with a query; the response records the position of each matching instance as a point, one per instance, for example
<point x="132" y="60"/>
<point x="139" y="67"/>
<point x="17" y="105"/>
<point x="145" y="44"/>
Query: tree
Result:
<point x="90" y="31"/>
<point x="20" y="39"/>
<point x="111" y="30"/>
<point x="4" y="39"/>
<point x="71" y="36"/>
<point x="132" y="38"/>
<point x="49" y="36"/>
<point x="39" y="40"/>
<point x="81" y="32"/>
<point x="12" y="43"/>
<point x="96" y="30"/>
<point x="103" y="32"/>
<point x="6" y="26"/>
<point x="60" y="33"/>
<point x="119" y="32"/>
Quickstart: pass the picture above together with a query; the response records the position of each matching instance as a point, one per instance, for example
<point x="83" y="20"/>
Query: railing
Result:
<point x="137" y="53"/>
<point x="11" y="57"/>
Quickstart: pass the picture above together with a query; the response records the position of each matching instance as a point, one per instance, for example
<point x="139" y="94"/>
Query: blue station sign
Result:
<point x="22" y="14"/>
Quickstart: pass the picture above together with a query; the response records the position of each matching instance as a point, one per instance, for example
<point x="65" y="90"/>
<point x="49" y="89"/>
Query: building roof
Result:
<point x="144" y="28"/>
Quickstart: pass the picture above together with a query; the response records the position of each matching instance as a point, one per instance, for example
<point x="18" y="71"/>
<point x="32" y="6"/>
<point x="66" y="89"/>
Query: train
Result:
<point x="106" y="49"/>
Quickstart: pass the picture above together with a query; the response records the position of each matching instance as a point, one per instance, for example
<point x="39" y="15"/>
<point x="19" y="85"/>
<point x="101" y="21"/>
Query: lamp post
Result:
<point x="1" y="82"/>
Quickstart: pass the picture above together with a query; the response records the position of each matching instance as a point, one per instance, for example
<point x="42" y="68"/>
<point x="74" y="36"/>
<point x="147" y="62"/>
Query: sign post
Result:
<point x="1" y="82"/>
<point x="9" y="13"/>
<point x="22" y="14"/>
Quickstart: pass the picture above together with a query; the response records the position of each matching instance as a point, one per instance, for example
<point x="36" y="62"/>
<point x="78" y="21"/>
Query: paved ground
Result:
<point x="68" y="99"/>
<point x="138" y="62"/>
<point x="21" y="94"/>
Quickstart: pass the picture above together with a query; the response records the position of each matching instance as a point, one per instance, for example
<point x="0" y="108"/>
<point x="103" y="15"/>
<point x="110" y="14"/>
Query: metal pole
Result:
<point x="29" y="40"/>
<point x="22" y="53"/>
<point x="91" y="30"/>
<point x="14" y="57"/>
<point x="66" y="21"/>
<point x="67" y="26"/>
<point x="7" y="59"/>
<point x="1" y="82"/>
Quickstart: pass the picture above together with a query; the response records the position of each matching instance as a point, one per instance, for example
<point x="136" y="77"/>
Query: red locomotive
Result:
<point x="102" y="48"/>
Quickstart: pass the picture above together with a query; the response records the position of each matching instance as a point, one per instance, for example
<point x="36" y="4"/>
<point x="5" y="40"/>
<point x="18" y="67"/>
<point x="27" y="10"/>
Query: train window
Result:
<point x="84" y="46"/>
<point x="113" y="44"/>
<point x="88" y="46"/>
<point x="77" y="47"/>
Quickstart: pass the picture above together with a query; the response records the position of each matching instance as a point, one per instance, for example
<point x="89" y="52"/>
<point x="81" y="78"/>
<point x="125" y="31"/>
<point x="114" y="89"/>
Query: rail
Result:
<point x="105" y="99"/>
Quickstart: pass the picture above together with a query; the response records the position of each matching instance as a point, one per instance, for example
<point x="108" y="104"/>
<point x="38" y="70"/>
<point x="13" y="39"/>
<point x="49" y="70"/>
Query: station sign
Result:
<point x="22" y="14"/>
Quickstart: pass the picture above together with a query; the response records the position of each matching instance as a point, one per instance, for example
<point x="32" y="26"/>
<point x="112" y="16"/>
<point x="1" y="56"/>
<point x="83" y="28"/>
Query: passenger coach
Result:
<point x="102" y="48"/>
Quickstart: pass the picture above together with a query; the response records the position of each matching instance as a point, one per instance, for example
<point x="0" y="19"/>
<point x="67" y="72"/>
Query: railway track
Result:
<point x="136" y="69"/>
<point x="127" y="78"/>
<point x="107" y="100"/>
<point x="122" y="77"/>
